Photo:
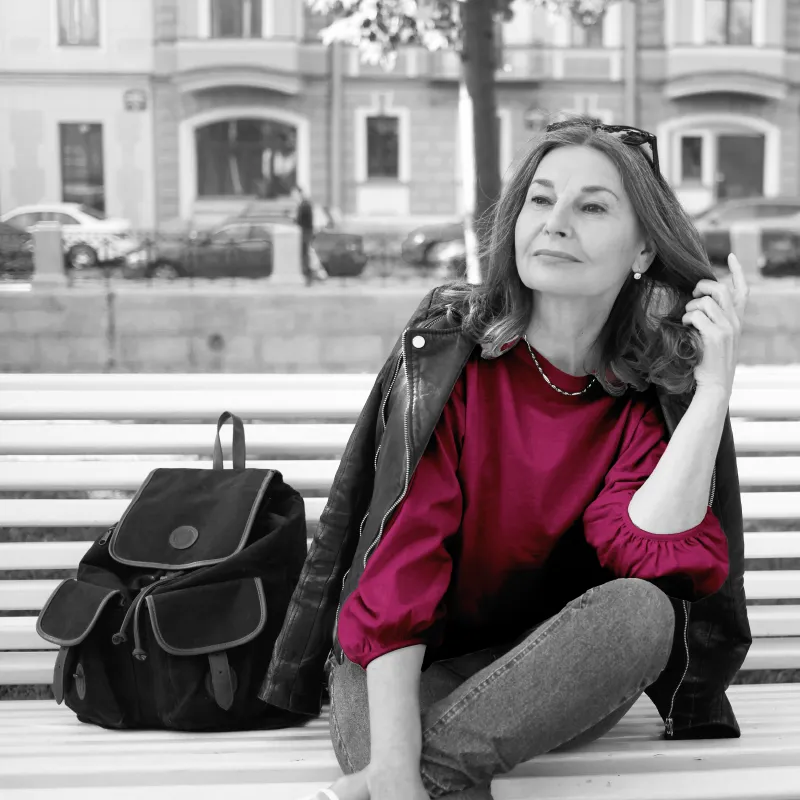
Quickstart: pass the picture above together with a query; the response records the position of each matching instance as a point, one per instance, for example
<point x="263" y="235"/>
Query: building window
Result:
<point x="236" y="19"/>
<point x="691" y="159"/>
<point x="82" y="179"/>
<point x="78" y="23"/>
<point x="383" y="147"/>
<point x="246" y="157"/>
<point x="729" y="22"/>
<point x="587" y="35"/>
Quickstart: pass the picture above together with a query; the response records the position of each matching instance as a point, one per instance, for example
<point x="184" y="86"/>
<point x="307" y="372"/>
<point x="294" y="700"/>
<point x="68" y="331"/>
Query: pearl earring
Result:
<point x="637" y="276"/>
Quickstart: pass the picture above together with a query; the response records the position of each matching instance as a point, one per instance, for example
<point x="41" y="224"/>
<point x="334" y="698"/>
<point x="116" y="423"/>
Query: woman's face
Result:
<point x="577" y="209"/>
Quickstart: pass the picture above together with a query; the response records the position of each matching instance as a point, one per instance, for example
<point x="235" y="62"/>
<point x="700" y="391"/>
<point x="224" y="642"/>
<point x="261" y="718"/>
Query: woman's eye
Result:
<point x="593" y="208"/>
<point x="539" y="200"/>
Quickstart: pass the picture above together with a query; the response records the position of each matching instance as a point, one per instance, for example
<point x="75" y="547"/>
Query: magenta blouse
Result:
<point x="512" y="467"/>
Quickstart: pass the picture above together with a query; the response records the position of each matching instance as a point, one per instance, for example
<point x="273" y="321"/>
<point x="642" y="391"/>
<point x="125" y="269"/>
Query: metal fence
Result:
<point x="157" y="258"/>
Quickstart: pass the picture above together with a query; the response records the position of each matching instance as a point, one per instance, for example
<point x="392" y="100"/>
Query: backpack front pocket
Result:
<point x="205" y="649"/>
<point x="80" y="618"/>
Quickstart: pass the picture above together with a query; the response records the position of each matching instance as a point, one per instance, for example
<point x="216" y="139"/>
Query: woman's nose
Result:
<point x="558" y="221"/>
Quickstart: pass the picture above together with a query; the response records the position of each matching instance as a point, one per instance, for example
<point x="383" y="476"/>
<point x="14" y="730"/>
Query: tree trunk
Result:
<point x="478" y="65"/>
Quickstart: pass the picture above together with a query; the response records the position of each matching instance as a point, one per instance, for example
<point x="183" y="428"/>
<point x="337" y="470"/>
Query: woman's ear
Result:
<point x="645" y="257"/>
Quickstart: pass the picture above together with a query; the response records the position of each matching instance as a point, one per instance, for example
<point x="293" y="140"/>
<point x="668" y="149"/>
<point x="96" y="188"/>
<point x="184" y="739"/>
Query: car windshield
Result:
<point x="92" y="212"/>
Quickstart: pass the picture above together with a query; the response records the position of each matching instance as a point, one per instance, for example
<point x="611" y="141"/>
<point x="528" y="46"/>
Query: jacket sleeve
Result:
<point x="688" y="565"/>
<point x="399" y="600"/>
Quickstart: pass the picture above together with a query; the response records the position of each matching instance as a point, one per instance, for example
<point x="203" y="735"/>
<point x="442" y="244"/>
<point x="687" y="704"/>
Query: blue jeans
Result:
<point x="566" y="683"/>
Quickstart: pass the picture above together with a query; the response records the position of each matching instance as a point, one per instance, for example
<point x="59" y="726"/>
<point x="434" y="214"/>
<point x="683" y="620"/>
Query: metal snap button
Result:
<point x="418" y="341"/>
<point x="80" y="681"/>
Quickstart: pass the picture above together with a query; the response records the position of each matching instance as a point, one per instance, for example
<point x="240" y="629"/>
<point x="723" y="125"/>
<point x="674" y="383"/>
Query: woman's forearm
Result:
<point x="675" y="496"/>
<point x="394" y="714"/>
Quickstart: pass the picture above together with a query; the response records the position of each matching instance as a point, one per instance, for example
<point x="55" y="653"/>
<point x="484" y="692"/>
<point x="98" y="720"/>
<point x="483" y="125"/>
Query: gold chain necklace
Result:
<point x="549" y="382"/>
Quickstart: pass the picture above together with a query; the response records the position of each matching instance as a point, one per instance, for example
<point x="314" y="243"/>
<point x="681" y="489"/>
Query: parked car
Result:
<point x="16" y="252"/>
<point x="714" y="223"/>
<point x="90" y="238"/>
<point x="780" y="249"/>
<point x="417" y="247"/>
<point x="238" y="249"/>
<point x="340" y="252"/>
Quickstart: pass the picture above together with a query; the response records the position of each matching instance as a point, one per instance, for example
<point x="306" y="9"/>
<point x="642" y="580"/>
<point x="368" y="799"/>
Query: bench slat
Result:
<point x="91" y="513"/>
<point x="66" y="555"/>
<point x="264" y="439"/>
<point x="278" y="405"/>
<point x="19" y="633"/>
<point x="746" y="374"/>
<point x="314" y="475"/>
<point x="30" y="595"/>
<point x="57" y="476"/>
<point x="36" y="666"/>
<point x="17" y="513"/>
<point x="301" y="381"/>
<point x="753" y="436"/>
<point x="180" y="405"/>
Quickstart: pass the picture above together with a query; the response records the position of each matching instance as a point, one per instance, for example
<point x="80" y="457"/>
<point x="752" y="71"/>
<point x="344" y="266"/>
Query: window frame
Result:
<point x="682" y="179"/>
<point x="101" y="16"/>
<point x="383" y="116"/>
<point x="729" y="4"/>
<point x="382" y="106"/>
<point x="205" y="26"/>
<point x="62" y="124"/>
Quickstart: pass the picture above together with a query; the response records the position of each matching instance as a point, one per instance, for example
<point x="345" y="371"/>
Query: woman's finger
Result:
<point x="699" y="320"/>
<point x="719" y="291"/>
<point x="712" y="310"/>
<point x="741" y="290"/>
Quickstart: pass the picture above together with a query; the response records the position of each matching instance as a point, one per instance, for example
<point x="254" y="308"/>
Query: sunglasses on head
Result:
<point x="635" y="137"/>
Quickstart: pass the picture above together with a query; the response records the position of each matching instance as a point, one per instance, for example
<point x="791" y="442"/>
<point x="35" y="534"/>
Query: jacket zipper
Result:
<point x="669" y="722"/>
<point x="713" y="486"/>
<point x="375" y="468"/>
<point x="401" y="361"/>
<point x="406" y="437"/>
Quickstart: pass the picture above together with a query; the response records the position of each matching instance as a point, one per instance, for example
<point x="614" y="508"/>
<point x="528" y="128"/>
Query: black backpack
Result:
<point x="175" y="610"/>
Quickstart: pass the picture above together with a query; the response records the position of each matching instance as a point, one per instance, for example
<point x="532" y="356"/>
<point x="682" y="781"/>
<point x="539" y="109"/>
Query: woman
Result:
<point x="519" y="594"/>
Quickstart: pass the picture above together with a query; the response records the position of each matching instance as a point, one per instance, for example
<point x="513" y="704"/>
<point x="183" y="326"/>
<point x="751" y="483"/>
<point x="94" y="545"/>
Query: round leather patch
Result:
<point x="183" y="537"/>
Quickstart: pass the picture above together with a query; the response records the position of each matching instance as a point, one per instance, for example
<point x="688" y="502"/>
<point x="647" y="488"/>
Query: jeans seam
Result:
<point x="340" y="739"/>
<point x="459" y="706"/>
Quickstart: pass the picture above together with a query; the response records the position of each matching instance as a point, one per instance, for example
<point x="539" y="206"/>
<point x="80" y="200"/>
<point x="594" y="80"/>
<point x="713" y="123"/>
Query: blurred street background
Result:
<point x="157" y="143"/>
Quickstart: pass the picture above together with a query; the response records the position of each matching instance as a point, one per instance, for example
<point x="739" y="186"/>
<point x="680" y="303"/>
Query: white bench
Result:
<point x="101" y="434"/>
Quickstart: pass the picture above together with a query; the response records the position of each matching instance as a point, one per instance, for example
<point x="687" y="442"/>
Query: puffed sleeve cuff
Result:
<point x="363" y="638"/>
<point x="689" y="565"/>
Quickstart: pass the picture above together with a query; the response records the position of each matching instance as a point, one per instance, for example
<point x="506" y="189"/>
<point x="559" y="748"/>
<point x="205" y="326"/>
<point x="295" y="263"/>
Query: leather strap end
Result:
<point x="221" y="680"/>
<point x="59" y="673"/>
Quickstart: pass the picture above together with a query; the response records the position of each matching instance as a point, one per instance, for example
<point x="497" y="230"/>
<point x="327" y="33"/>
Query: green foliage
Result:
<point x="379" y="27"/>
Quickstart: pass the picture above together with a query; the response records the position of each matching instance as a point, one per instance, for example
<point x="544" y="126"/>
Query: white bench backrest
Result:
<point x="74" y="433"/>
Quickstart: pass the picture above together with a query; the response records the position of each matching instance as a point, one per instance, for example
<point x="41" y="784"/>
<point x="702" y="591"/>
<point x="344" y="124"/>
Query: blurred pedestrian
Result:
<point x="304" y="218"/>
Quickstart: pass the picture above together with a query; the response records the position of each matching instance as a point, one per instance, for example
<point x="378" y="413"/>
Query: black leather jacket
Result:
<point x="712" y="636"/>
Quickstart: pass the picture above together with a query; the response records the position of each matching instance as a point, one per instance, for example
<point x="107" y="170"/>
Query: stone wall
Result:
<point x="270" y="329"/>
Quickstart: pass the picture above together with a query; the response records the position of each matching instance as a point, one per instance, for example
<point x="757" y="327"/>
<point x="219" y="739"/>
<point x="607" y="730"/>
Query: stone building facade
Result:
<point x="191" y="108"/>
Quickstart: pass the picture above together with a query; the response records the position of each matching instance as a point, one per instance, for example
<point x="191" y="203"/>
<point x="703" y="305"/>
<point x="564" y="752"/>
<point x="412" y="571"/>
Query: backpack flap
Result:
<point x="208" y="620"/>
<point x="187" y="518"/>
<point x="67" y="619"/>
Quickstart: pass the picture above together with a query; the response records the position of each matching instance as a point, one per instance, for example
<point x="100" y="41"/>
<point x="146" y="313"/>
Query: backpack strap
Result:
<point x="222" y="679"/>
<point x="239" y="453"/>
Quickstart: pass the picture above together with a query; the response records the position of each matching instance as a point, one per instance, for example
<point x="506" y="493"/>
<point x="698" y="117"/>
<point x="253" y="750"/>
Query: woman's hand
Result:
<point x="717" y="312"/>
<point x="395" y="784"/>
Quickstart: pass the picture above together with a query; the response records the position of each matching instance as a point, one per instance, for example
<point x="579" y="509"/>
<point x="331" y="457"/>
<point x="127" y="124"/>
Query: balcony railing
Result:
<point x="701" y="69"/>
<point x="198" y="60"/>
<point x="537" y="63"/>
